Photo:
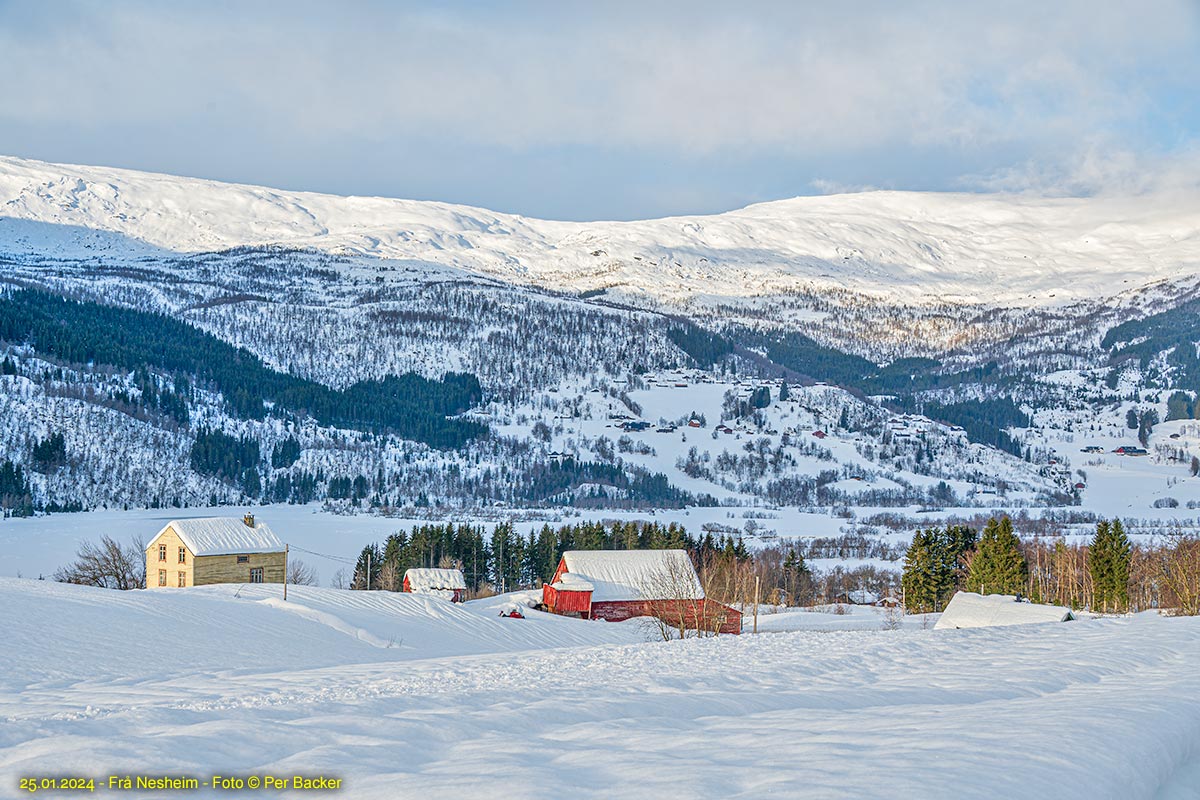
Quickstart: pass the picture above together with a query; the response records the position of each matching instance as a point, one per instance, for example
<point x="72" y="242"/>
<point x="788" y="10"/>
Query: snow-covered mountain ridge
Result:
<point x="910" y="247"/>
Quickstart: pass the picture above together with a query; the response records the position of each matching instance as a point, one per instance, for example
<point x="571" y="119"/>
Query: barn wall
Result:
<point x="171" y="565"/>
<point x="707" y="614"/>
<point x="566" y="602"/>
<point x="225" y="569"/>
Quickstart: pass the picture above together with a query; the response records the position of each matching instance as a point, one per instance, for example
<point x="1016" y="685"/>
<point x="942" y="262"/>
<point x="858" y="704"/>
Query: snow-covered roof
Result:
<point x="570" y="582"/>
<point x="970" y="610"/>
<point x="636" y="574"/>
<point x="427" y="579"/>
<point x="220" y="536"/>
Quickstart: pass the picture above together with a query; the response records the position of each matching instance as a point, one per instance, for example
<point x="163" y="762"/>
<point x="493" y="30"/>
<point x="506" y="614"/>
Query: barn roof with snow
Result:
<point x="570" y="582"/>
<point x="970" y="610"/>
<point x="634" y="574"/>
<point x="427" y="579"/>
<point x="222" y="536"/>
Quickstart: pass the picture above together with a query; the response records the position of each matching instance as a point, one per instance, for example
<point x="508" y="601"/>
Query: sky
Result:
<point x="613" y="110"/>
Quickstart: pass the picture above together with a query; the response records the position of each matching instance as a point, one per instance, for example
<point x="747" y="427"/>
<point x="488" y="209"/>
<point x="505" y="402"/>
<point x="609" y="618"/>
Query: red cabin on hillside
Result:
<point x="448" y="584"/>
<point x="617" y="585"/>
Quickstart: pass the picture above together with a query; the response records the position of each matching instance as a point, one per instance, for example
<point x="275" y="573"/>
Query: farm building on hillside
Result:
<point x="616" y="585"/>
<point x="970" y="610"/>
<point x="858" y="597"/>
<point x="448" y="584"/>
<point x="196" y="552"/>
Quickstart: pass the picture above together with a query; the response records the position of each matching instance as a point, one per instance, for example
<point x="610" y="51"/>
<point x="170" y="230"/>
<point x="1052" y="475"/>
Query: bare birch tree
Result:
<point x="301" y="574"/>
<point x="108" y="564"/>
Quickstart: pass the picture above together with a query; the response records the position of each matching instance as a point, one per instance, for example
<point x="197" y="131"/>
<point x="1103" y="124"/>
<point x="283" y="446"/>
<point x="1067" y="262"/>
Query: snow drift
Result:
<point x="1104" y="708"/>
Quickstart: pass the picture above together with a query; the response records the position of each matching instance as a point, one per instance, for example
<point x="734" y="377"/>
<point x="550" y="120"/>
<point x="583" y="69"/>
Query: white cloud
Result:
<point x="1099" y="167"/>
<point x="1060" y="90"/>
<point x="698" y="77"/>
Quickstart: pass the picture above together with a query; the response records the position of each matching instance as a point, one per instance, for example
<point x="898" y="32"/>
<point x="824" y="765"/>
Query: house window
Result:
<point x="183" y="579"/>
<point x="243" y="559"/>
<point x="162" y="552"/>
<point x="162" y="577"/>
<point x="256" y="575"/>
<point x="183" y="555"/>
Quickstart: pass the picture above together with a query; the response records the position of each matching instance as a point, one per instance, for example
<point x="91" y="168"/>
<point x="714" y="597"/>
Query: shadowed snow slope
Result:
<point x="1094" y="709"/>
<point x="58" y="632"/>
<point x="906" y="245"/>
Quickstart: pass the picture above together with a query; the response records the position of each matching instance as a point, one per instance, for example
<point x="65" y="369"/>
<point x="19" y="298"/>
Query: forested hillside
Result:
<point x="82" y="332"/>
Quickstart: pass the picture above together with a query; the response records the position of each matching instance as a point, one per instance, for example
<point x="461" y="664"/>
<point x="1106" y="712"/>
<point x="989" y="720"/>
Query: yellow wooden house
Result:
<point x="196" y="552"/>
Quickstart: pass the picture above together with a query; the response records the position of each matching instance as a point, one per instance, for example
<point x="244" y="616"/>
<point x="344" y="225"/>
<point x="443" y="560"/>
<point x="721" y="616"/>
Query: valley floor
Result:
<point x="408" y="697"/>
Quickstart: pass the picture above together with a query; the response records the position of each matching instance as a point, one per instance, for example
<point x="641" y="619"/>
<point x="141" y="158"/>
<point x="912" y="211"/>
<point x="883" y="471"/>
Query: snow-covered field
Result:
<point x="402" y="697"/>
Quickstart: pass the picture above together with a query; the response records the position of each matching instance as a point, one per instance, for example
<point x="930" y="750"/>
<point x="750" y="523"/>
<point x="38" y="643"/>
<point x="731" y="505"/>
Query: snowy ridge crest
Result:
<point x="965" y="248"/>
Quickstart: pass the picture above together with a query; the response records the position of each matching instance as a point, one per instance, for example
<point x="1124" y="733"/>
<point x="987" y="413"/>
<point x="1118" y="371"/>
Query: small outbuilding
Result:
<point x="206" y="550"/>
<point x="616" y="585"/>
<point x="448" y="584"/>
<point x="569" y="595"/>
<point x="970" y="610"/>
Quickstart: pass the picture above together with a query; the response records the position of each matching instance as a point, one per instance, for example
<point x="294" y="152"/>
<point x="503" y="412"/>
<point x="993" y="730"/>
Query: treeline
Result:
<point x="1109" y="574"/>
<point x="16" y="496"/>
<point x="85" y="333"/>
<point x="229" y="458"/>
<point x="705" y="347"/>
<point x="801" y="354"/>
<point x="1174" y="333"/>
<point x="503" y="559"/>
<point x="592" y="484"/>
<point x="499" y="560"/>
<point x="983" y="420"/>
<point x="903" y="377"/>
<point x="1142" y="339"/>
<point x="239" y="462"/>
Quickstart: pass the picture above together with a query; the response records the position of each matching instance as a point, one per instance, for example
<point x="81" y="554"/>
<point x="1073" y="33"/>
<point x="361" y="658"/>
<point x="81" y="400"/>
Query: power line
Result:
<point x="325" y="555"/>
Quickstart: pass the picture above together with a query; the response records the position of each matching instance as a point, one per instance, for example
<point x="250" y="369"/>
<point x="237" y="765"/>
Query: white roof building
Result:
<point x="222" y="536"/>
<point x="634" y="574"/>
<point x="970" y="610"/>
<point x="427" y="580"/>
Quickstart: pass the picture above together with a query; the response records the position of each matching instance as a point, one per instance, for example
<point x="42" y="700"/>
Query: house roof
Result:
<point x="570" y="582"/>
<point x="636" y="574"/>
<point x="970" y="610"/>
<point x="220" y="536"/>
<point x="427" y="579"/>
<point x="862" y="597"/>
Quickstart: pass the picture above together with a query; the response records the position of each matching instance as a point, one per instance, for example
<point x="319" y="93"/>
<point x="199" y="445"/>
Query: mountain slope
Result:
<point x="905" y="246"/>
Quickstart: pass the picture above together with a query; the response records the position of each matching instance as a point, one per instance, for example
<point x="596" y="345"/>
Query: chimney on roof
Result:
<point x="248" y="520"/>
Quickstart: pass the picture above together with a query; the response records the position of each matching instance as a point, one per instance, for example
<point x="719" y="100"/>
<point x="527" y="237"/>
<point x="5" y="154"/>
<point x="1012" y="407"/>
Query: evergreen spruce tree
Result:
<point x="1109" y="559"/>
<point x="370" y="561"/>
<point x="919" y="579"/>
<point x="931" y="567"/>
<point x="999" y="566"/>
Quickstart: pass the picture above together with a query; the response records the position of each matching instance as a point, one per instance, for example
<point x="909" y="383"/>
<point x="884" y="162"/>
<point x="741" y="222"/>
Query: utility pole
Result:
<point x="756" y="579"/>
<point x="285" y="571"/>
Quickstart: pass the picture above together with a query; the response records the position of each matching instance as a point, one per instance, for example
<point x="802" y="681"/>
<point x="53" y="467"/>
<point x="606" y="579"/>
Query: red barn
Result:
<point x="448" y="584"/>
<point x="616" y="585"/>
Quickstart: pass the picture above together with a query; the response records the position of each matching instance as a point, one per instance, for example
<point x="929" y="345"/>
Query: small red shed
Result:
<point x="569" y="595"/>
<point x="448" y="584"/>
